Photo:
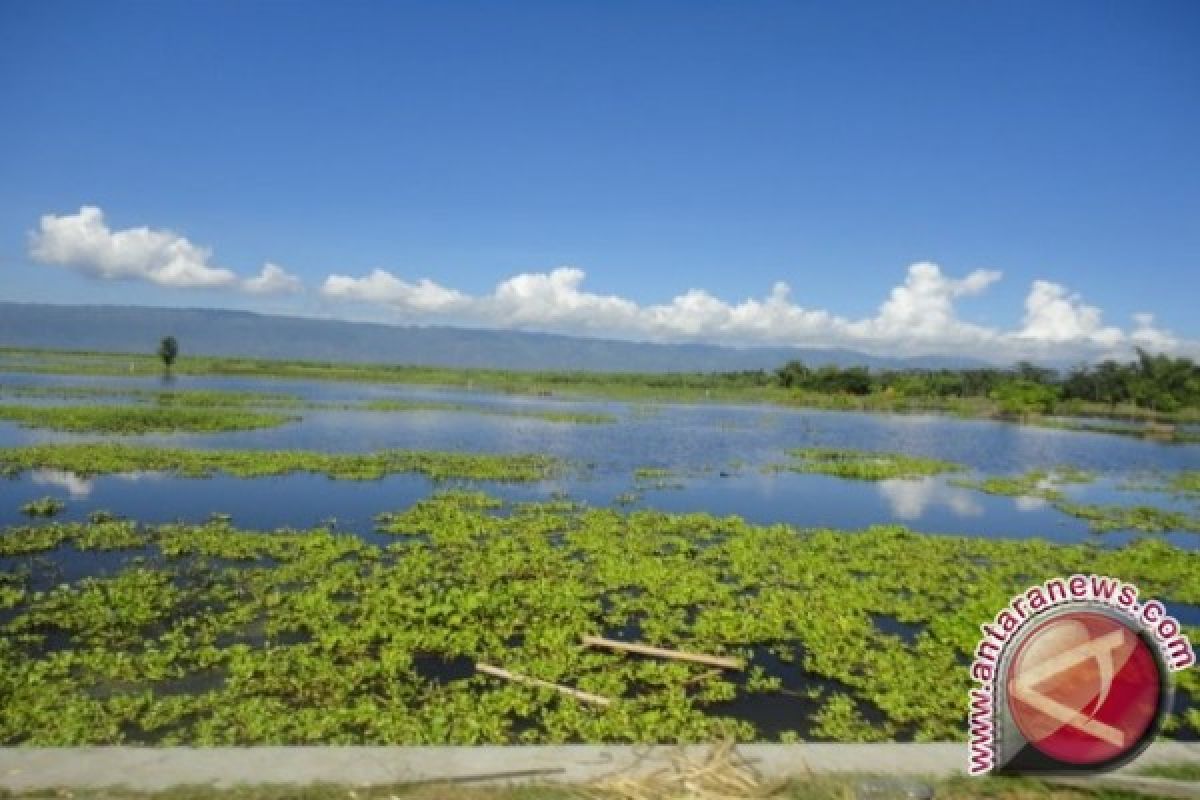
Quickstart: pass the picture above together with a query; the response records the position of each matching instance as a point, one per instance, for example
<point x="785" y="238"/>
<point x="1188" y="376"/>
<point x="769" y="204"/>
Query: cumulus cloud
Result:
<point x="273" y="279"/>
<point x="917" y="316"/>
<point x="923" y="307"/>
<point x="382" y="287"/>
<point x="1055" y="315"/>
<point x="84" y="242"/>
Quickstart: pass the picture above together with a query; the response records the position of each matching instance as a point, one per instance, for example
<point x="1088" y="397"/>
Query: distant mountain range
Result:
<point x="240" y="333"/>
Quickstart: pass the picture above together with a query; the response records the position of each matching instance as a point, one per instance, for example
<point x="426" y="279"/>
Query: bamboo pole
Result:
<point x="585" y="697"/>
<point x="676" y="655"/>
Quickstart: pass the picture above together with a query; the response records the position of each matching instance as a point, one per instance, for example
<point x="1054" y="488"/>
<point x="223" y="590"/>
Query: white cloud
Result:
<point x="923" y="307"/>
<point x="1150" y="338"/>
<point x="273" y="279"/>
<point x="918" y="316"/>
<point x="384" y="288"/>
<point x="1054" y="315"/>
<point x="84" y="242"/>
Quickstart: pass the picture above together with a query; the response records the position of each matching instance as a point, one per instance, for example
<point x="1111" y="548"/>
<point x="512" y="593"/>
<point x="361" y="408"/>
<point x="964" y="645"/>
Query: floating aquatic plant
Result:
<point x="209" y="634"/>
<point x="130" y="419"/>
<point x="100" y="458"/>
<point x="865" y="465"/>
<point x="1043" y="483"/>
<point x="43" y="507"/>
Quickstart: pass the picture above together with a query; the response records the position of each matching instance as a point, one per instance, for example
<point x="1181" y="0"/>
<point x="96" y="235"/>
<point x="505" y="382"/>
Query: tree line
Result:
<point x="1157" y="382"/>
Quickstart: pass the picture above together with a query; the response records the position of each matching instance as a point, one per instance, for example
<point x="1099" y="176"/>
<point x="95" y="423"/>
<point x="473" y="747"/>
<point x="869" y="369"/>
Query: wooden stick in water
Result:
<point x="676" y="655"/>
<point x="497" y="672"/>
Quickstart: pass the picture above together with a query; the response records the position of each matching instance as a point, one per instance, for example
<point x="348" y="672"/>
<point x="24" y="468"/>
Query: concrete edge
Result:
<point x="150" y="769"/>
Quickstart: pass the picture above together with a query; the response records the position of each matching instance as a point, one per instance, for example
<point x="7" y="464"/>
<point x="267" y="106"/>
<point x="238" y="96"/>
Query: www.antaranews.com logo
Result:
<point x="1073" y="675"/>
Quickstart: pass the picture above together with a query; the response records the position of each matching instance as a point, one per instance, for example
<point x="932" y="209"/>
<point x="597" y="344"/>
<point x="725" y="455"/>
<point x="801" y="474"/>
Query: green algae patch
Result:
<point x="133" y="419"/>
<point x="864" y="465"/>
<point x="100" y="458"/>
<point x="209" y="634"/>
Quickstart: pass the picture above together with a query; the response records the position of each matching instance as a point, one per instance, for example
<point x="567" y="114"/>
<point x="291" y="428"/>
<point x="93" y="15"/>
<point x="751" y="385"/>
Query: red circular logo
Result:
<point x="1084" y="688"/>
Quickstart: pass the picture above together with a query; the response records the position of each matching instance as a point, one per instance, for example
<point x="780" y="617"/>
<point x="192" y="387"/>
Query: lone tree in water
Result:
<point x="168" y="351"/>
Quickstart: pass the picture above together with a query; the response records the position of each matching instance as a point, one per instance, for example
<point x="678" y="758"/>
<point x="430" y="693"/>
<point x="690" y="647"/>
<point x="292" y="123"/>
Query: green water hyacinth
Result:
<point x="133" y="419"/>
<point x="192" y="398"/>
<point x="865" y="465"/>
<point x="208" y="634"/>
<point x="570" y="417"/>
<point x="43" y="507"/>
<point x="1043" y="483"/>
<point x="1185" y="482"/>
<point x="101" y="458"/>
<point x="1148" y="519"/>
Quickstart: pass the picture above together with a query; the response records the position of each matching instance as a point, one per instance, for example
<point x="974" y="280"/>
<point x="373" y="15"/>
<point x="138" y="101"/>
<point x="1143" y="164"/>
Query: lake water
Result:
<point x="716" y="454"/>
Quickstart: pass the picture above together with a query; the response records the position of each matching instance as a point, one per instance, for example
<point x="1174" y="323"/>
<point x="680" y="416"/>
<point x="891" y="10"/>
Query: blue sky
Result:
<point x="1037" y="161"/>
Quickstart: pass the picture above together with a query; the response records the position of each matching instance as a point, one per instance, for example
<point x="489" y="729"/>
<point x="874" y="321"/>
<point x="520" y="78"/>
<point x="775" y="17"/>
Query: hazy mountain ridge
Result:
<point x="241" y="333"/>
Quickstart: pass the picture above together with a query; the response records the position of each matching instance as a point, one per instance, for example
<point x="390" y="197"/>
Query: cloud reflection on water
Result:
<point x="909" y="499"/>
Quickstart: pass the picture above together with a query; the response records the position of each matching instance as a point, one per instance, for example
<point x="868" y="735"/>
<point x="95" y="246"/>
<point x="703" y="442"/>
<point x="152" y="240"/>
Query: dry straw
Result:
<point x="721" y="774"/>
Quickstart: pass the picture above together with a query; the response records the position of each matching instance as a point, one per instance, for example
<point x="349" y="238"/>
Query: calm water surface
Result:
<point x="717" y="453"/>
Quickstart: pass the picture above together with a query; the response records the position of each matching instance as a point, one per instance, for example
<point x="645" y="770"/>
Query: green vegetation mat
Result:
<point x="1185" y="482"/>
<point x="1034" y="483"/>
<point x="865" y="465"/>
<point x="140" y="419"/>
<point x="99" y="458"/>
<point x="1147" y="519"/>
<point x="1047" y="484"/>
<point x="43" y="507"/>
<point x="195" y="398"/>
<point x="207" y="634"/>
<point x="575" y="417"/>
<point x="211" y="404"/>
